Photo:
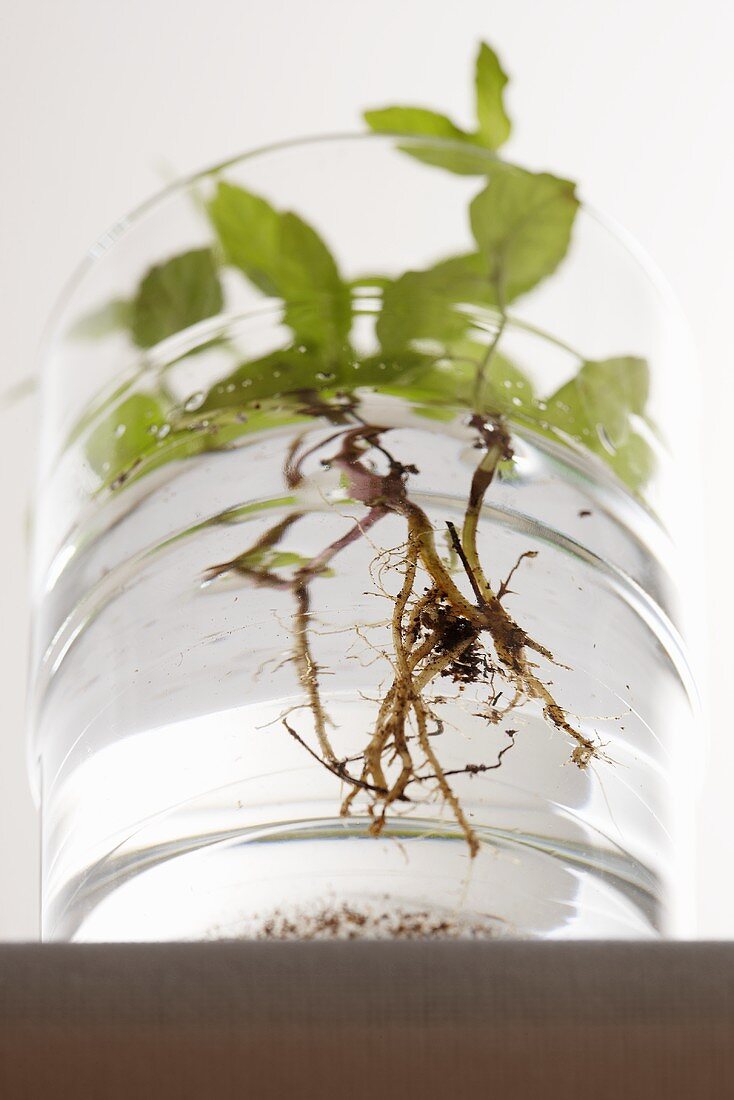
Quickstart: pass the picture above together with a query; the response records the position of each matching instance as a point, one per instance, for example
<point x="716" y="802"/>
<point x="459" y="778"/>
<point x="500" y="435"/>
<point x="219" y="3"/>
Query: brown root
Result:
<point x="438" y="633"/>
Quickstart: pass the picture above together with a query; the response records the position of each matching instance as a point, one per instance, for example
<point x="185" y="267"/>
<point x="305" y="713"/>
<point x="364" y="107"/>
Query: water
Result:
<point x="178" y="805"/>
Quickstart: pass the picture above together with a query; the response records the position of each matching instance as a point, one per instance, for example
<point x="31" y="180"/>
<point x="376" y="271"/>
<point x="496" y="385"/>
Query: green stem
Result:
<point x="486" y="360"/>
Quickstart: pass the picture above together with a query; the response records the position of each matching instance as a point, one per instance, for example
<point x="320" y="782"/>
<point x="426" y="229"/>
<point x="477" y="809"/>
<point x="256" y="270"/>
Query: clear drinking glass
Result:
<point x="355" y="603"/>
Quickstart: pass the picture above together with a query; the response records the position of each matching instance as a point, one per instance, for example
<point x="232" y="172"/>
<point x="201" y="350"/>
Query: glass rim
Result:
<point x="118" y="230"/>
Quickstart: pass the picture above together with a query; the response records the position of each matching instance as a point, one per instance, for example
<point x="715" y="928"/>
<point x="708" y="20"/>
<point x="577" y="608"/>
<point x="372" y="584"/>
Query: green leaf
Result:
<point x="175" y="295"/>
<point x="249" y="233"/>
<point x="601" y="398"/>
<point x="292" y="370"/>
<point x="466" y="159"/>
<point x="450" y="382"/>
<point x="463" y="153"/>
<point x="285" y="257"/>
<point x="633" y="462"/>
<point x="294" y="374"/>
<point x="268" y="559"/>
<point x="112" y="317"/>
<point x="494" y="124"/>
<point x="598" y="407"/>
<point x="318" y="303"/>
<point x="425" y="304"/>
<point x="506" y="389"/>
<point x="492" y="132"/>
<point x="125" y="434"/>
<point x="413" y="121"/>
<point x="522" y="225"/>
<point x="454" y="381"/>
<point x="155" y="442"/>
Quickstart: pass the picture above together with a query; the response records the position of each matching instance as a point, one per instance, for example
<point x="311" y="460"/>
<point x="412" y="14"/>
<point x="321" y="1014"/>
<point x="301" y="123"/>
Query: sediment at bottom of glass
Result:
<point x="415" y="881"/>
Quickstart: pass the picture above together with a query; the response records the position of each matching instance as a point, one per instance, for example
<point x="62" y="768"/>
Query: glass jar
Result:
<point x="355" y="606"/>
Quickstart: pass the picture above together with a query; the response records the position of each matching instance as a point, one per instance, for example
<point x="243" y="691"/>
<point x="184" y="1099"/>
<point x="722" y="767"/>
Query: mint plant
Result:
<point x="448" y="621"/>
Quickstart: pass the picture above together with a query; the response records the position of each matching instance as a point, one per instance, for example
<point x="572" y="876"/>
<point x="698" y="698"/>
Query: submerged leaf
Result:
<point x="268" y="559"/>
<point x="181" y="437"/>
<point x="125" y="434"/>
<point x="450" y="382"/>
<point x="291" y="370"/>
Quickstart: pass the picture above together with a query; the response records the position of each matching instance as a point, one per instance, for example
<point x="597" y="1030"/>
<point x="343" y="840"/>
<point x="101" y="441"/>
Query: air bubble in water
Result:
<point x="194" y="402"/>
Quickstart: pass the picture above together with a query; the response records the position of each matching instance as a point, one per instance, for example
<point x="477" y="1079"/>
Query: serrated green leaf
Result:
<point x="522" y="224"/>
<point x="490" y="81"/>
<point x="175" y="295"/>
<point x="285" y="257"/>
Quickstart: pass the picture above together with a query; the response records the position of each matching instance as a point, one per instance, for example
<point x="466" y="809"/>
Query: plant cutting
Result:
<point x="457" y="680"/>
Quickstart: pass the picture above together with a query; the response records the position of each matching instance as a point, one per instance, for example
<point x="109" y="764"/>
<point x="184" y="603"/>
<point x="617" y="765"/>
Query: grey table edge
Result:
<point x="367" y="1019"/>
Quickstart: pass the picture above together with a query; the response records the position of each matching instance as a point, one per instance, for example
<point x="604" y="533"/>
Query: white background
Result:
<point x="102" y="100"/>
